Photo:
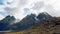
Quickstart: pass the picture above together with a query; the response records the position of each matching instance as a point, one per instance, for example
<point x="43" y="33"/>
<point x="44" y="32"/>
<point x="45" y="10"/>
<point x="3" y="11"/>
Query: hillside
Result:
<point x="48" y="26"/>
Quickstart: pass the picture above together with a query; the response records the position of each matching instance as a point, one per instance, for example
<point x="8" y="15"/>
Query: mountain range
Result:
<point x="8" y="23"/>
<point x="45" y="26"/>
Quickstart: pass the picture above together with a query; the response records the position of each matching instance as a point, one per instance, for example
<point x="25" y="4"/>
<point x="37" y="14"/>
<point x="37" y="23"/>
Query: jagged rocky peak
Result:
<point x="31" y="15"/>
<point x="7" y="21"/>
<point x="10" y="17"/>
<point x="44" y="15"/>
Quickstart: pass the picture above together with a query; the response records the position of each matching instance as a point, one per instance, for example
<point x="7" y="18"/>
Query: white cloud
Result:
<point x="1" y="17"/>
<point x="38" y="5"/>
<point x="50" y="6"/>
<point x="35" y="6"/>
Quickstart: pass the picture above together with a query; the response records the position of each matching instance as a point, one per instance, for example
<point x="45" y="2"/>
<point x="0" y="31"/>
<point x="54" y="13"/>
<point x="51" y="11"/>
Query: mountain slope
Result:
<point x="25" y="23"/>
<point x="43" y="16"/>
<point x="30" y="20"/>
<point x="50" y="26"/>
<point x="8" y="22"/>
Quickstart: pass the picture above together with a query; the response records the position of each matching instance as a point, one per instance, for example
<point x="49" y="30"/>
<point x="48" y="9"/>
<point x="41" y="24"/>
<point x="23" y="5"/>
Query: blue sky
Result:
<point x="1" y="2"/>
<point x="21" y="8"/>
<point x="3" y="13"/>
<point x="26" y="10"/>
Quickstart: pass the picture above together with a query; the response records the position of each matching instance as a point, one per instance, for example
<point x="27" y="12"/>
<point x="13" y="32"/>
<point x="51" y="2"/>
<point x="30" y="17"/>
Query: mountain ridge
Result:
<point x="50" y="26"/>
<point x="25" y="23"/>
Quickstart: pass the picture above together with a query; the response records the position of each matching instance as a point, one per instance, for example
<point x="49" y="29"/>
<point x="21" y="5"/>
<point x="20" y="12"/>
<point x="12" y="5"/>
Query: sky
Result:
<point x="21" y="8"/>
